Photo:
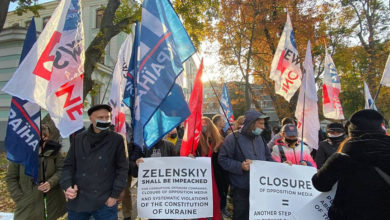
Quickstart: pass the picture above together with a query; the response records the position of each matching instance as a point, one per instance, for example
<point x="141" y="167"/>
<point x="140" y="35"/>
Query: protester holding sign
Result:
<point x="236" y="154"/>
<point x="277" y="136"/>
<point x="361" y="168"/>
<point x="326" y="148"/>
<point x="29" y="198"/>
<point x="209" y="145"/>
<point x="95" y="169"/>
<point x="288" y="149"/>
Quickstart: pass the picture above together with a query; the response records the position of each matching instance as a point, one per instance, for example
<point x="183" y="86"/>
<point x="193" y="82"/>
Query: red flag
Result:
<point x="193" y="124"/>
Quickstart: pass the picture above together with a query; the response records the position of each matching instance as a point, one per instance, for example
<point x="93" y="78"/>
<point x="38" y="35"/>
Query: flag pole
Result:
<point x="376" y="95"/>
<point x="43" y="168"/>
<point x="105" y="91"/>
<point x="230" y="126"/>
<point x="303" y="119"/>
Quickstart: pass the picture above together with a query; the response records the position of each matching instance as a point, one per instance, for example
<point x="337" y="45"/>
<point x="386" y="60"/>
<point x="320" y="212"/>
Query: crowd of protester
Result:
<point x="100" y="164"/>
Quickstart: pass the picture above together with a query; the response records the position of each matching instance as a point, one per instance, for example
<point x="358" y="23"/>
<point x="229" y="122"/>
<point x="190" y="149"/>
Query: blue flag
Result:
<point x="22" y="137"/>
<point x="164" y="46"/>
<point x="226" y="107"/>
<point x="128" y="96"/>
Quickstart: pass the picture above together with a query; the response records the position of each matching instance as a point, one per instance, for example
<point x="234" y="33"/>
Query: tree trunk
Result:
<point x="4" y="5"/>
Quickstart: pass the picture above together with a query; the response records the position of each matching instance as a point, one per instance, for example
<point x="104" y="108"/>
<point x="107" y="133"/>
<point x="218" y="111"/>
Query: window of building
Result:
<point x="27" y="24"/>
<point x="44" y="21"/>
<point x="99" y="17"/>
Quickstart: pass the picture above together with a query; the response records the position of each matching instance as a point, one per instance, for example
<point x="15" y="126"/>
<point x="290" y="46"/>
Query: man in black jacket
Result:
<point x="327" y="147"/>
<point x="95" y="169"/>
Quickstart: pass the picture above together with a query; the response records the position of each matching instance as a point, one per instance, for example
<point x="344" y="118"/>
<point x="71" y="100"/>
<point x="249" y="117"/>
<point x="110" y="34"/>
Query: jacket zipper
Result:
<point x="253" y="146"/>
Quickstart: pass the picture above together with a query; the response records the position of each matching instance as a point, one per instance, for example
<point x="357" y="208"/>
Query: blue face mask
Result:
<point x="257" y="131"/>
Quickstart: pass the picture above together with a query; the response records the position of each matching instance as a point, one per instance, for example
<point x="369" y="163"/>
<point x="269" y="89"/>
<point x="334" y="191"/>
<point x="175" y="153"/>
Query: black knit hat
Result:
<point x="335" y="126"/>
<point x="98" y="107"/>
<point x="365" y="121"/>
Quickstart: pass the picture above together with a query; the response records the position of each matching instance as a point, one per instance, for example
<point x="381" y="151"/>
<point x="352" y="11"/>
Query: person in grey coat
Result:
<point x="236" y="155"/>
<point x="95" y="169"/>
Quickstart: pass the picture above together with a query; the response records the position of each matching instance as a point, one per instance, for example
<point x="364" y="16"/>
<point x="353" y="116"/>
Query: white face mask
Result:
<point x="334" y="136"/>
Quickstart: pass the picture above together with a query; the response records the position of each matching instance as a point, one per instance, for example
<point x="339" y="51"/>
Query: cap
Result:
<point x="263" y="116"/>
<point x="98" y="107"/>
<point x="290" y="130"/>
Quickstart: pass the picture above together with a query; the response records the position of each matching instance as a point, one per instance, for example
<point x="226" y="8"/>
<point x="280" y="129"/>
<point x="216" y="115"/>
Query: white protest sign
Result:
<point x="317" y="208"/>
<point x="175" y="188"/>
<point x="279" y="191"/>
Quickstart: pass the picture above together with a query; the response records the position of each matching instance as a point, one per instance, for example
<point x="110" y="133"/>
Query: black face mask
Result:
<point x="337" y="139"/>
<point x="291" y="141"/>
<point x="102" y="125"/>
<point x="173" y="136"/>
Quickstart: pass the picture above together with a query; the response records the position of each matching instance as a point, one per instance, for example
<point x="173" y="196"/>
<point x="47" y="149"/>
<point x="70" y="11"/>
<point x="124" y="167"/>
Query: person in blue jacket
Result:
<point x="236" y="154"/>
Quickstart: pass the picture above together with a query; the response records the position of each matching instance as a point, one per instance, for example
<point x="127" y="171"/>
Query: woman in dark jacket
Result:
<point x="28" y="196"/>
<point x="360" y="167"/>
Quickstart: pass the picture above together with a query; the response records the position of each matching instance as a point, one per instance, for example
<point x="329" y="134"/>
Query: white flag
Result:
<point x="118" y="86"/>
<point x="285" y="67"/>
<point x="369" y="101"/>
<point x="307" y="115"/>
<point x="51" y="71"/>
<point x="331" y="88"/>
<point x="386" y="74"/>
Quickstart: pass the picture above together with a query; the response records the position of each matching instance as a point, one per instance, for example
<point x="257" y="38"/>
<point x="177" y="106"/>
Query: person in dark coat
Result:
<point x="28" y="196"/>
<point x="336" y="134"/>
<point x="95" y="169"/>
<point x="235" y="156"/>
<point x="360" y="167"/>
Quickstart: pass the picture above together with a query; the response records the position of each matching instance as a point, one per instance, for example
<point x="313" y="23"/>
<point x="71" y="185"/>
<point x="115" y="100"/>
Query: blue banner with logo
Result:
<point x="22" y="137"/>
<point x="164" y="46"/>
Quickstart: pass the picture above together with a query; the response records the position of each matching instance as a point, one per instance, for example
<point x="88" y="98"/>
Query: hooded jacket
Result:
<point x="28" y="199"/>
<point x="247" y="146"/>
<point x="362" y="193"/>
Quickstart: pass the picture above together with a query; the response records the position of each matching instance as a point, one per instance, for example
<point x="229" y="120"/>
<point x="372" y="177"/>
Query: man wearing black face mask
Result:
<point x="95" y="169"/>
<point x="326" y="148"/>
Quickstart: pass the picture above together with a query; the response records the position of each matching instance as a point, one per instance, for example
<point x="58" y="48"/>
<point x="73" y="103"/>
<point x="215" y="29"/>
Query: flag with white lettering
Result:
<point x="52" y="66"/>
<point x="306" y="110"/>
<point x="369" y="101"/>
<point x="285" y="67"/>
<point x="22" y="137"/>
<point x="331" y="88"/>
<point x="119" y="79"/>
<point x="164" y="46"/>
<point x="128" y="94"/>
<point x="386" y="74"/>
<point x="226" y="107"/>
<point x="193" y="125"/>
